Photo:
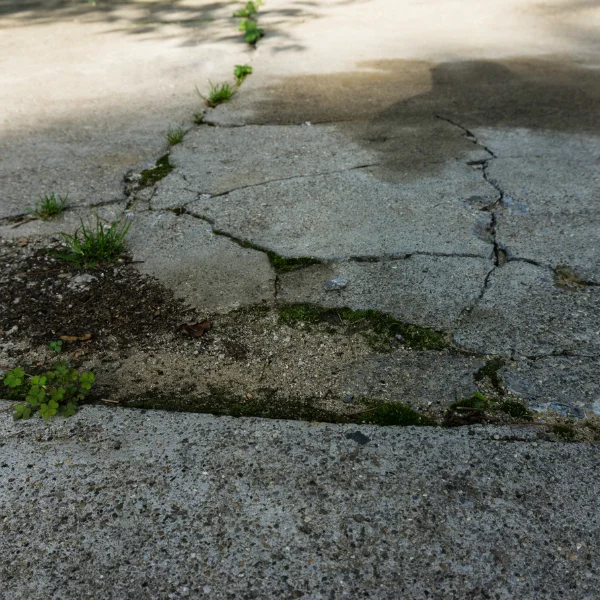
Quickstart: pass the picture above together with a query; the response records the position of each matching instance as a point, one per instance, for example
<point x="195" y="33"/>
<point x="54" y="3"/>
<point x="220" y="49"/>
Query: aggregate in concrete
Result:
<point x="424" y="290"/>
<point x="211" y="272"/>
<point x="127" y="504"/>
<point x="564" y="384"/>
<point x="427" y="379"/>
<point x="522" y="312"/>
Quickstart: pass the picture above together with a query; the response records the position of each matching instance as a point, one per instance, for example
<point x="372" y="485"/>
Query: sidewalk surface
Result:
<point x="433" y="162"/>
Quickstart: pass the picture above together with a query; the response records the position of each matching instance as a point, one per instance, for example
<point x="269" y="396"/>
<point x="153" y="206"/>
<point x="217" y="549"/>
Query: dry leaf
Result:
<point x="22" y="241"/>
<point x="76" y="338"/>
<point x="194" y="329"/>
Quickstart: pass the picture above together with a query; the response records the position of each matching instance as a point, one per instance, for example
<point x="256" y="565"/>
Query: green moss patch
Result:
<point x="516" y="410"/>
<point x="379" y="329"/>
<point x="393" y="413"/>
<point x="162" y="168"/>
<point x="564" y="433"/>
<point x="282" y="264"/>
<point x="490" y="371"/>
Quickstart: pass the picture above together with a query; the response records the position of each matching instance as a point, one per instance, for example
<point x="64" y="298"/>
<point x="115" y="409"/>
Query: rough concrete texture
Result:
<point x="430" y="291"/>
<point x="353" y="214"/>
<point x="560" y="383"/>
<point x="123" y="504"/>
<point x="211" y="272"/>
<point x="455" y="141"/>
<point x="522" y="312"/>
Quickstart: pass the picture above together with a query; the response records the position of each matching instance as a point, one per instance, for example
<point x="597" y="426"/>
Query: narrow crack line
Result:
<point x="245" y="187"/>
<point x="499" y="253"/>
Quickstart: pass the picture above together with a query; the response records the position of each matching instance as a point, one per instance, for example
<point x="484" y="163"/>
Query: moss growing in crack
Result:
<point x="222" y="401"/>
<point x="392" y="413"/>
<point x="282" y="264"/>
<point x="162" y="168"/>
<point x="379" y="329"/>
<point x="565" y="278"/>
<point x="565" y="433"/>
<point x="516" y="410"/>
<point x="490" y="371"/>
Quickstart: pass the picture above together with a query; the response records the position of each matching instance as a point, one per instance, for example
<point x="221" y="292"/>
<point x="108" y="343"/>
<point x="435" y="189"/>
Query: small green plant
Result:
<point x="55" y="346"/>
<point x="217" y="94"/>
<point x="252" y="32"/>
<point x="249" y="10"/>
<point x="198" y="118"/>
<point x="89" y="246"/>
<point x="50" y="206"/>
<point x="174" y="135"/>
<point x="56" y="391"/>
<point x="240" y="72"/>
<point x="392" y="413"/>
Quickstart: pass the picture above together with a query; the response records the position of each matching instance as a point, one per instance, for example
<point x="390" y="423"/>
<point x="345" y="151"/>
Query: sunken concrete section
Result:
<point x="211" y="272"/>
<point x="162" y="505"/>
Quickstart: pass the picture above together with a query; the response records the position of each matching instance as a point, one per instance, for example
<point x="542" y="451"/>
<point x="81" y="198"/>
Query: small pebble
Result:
<point x="336" y="284"/>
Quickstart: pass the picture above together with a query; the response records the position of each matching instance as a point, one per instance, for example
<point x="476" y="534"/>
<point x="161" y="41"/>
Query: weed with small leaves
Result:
<point x="249" y="10"/>
<point x="174" y="135"/>
<point x="50" y="206"/>
<point x="252" y="32"/>
<point x="217" y="94"/>
<point x="240" y="72"/>
<point x="198" y="118"/>
<point x="88" y="246"/>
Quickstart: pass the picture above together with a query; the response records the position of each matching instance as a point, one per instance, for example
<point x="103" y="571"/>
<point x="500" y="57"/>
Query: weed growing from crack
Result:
<point x="55" y="391"/>
<point x="240" y="72"/>
<point x="50" y="206"/>
<point x="490" y="371"/>
<point x="252" y="32"/>
<point x="217" y="94"/>
<point x="249" y="10"/>
<point x="198" y="118"/>
<point x="174" y="135"/>
<point x="161" y="169"/>
<point x="88" y="246"/>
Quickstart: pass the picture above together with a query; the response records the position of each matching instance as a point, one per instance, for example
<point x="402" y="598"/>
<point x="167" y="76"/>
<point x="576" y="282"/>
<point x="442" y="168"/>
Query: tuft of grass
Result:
<point x="217" y="94"/>
<point x="50" y="206"/>
<point x="379" y="329"/>
<point x="174" y="135"/>
<point x="393" y="413"/>
<point x="90" y="246"/>
<point x="162" y="168"/>
<point x="198" y="118"/>
<point x="240" y="72"/>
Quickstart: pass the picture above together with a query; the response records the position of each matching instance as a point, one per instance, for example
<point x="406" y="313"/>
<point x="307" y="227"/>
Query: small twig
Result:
<point x="109" y="401"/>
<point x="362" y="412"/>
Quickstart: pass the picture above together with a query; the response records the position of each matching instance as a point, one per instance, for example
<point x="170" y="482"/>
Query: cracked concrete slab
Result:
<point x="210" y="272"/>
<point x="165" y="505"/>
<point x="549" y="211"/>
<point x="88" y="116"/>
<point x="567" y="385"/>
<point x="354" y="213"/>
<point x="430" y="291"/>
<point x="522" y="312"/>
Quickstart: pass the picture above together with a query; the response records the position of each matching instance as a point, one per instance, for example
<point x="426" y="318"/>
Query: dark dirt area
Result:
<point x="42" y="298"/>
